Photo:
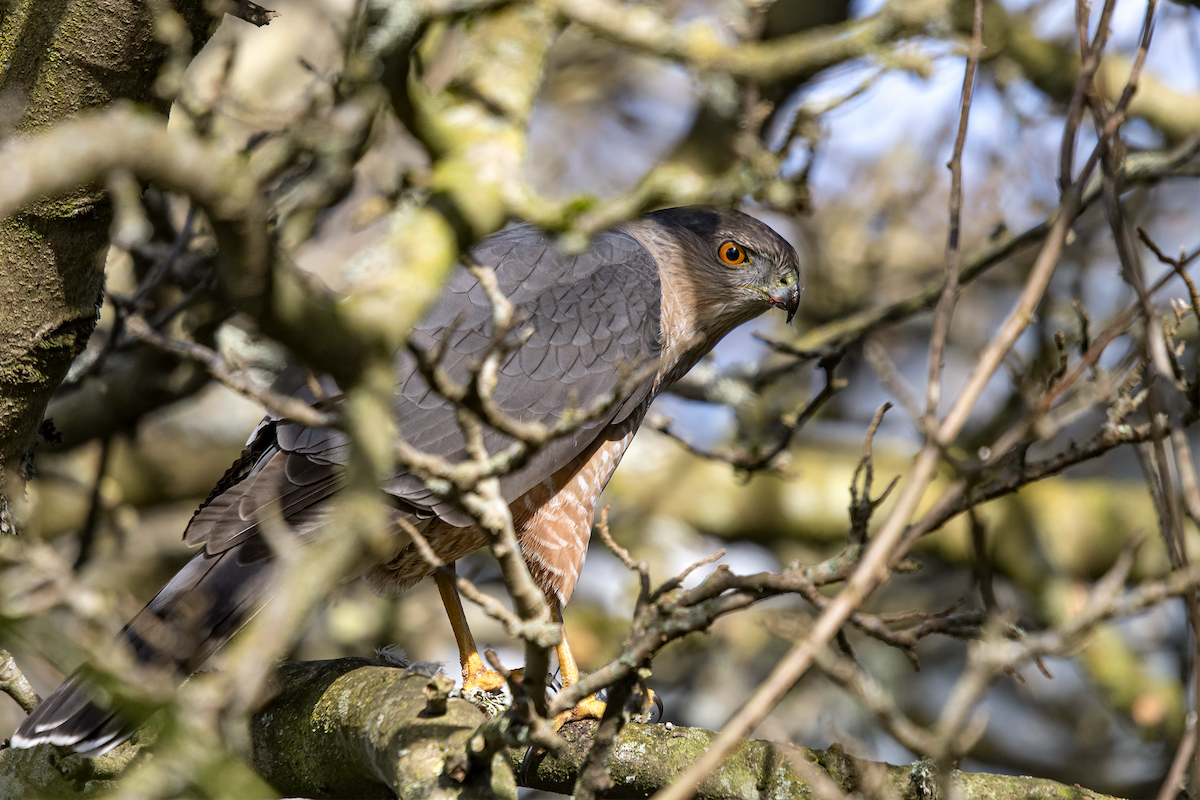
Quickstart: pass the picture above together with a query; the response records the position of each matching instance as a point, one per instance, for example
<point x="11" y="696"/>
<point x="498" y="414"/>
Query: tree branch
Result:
<point x="793" y="57"/>
<point x="1139" y="169"/>
<point x="360" y="728"/>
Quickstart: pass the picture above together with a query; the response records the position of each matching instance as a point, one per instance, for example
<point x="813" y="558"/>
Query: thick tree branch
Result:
<point x="15" y="685"/>
<point x="57" y="61"/>
<point x="365" y="713"/>
<point x="359" y="728"/>
<point x="356" y="728"/>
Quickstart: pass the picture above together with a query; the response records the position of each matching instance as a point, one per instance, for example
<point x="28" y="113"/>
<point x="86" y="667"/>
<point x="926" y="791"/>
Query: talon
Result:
<point x="649" y="710"/>
<point x="652" y="709"/>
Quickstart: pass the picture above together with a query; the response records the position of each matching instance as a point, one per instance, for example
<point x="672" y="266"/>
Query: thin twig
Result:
<point x="87" y="536"/>
<point x="854" y="679"/>
<point x="593" y="779"/>
<point x="862" y="507"/>
<point x="885" y="369"/>
<point x="282" y="406"/>
<point x="639" y="568"/>
<point x="1090" y="55"/>
<point x="983" y="562"/>
<point x="945" y="307"/>
<point x="873" y="569"/>
<point x="1173" y="782"/>
<point x="15" y="685"/>
<point x="1136" y="169"/>
<point x="764" y="458"/>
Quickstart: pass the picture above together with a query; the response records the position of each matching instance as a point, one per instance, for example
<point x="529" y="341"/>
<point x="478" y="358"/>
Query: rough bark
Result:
<point x="649" y="757"/>
<point x="59" y="58"/>
<point x="359" y="728"/>
<point x="351" y="727"/>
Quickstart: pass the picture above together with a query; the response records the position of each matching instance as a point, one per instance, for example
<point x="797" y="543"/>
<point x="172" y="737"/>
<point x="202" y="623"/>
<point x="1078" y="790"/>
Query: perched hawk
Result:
<point x="661" y="290"/>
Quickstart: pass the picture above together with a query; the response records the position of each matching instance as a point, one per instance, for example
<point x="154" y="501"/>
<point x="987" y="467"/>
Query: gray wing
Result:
<point x="590" y="315"/>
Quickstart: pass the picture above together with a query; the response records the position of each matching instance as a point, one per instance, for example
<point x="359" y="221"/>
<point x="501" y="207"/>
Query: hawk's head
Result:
<point x="738" y="266"/>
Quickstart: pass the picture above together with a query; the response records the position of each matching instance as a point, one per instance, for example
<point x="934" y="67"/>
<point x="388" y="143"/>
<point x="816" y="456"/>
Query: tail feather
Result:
<point x="193" y="615"/>
<point x="70" y="717"/>
<point x="202" y="606"/>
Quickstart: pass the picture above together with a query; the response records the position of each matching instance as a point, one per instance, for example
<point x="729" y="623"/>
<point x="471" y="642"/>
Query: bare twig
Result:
<point x="1090" y="55"/>
<point x="593" y="777"/>
<point x="1173" y="782"/>
<point x="983" y="562"/>
<point x="863" y="506"/>
<point x="875" y="697"/>
<point x="1139" y="168"/>
<point x="873" y="569"/>
<point x="885" y="369"/>
<point x="91" y="524"/>
<point x="15" y="685"/>
<point x="678" y="580"/>
<point x="283" y="406"/>
<point x="946" y="303"/>
<point x="764" y="458"/>
<point x="639" y="568"/>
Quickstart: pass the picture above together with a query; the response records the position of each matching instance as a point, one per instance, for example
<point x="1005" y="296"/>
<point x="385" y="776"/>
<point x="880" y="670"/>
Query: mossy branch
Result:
<point x="352" y="727"/>
<point x="337" y="338"/>
<point x="59" y="60"/>
<point x="360" y="728"/>
<point x="795" y="57"/>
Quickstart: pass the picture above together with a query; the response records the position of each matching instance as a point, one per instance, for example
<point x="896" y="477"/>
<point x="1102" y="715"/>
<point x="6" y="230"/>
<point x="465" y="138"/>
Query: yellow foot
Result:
<point x="482" y="687"/>
<point x="478" y="677"/>
<point x="591" y="708"/>
<point x="587" y="708"/>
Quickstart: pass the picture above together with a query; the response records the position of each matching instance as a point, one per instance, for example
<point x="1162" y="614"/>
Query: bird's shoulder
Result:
<point x="585" y="321"/>
<point x="532" y="270"/>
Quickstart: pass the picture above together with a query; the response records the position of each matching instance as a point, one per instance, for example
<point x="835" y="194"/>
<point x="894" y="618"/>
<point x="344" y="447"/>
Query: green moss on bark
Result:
<point x="358" y="728"/>
<point x="57" y="58"/>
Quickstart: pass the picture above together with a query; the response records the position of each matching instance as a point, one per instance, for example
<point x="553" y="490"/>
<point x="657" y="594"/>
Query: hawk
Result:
<point x="661" y="290"/>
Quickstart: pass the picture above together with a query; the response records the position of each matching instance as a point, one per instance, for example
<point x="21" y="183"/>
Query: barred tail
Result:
<point x="193" y="615"/>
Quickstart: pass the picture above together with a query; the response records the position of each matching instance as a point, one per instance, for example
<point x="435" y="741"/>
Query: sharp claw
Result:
<point x="655" y="714"/>
<point x="527" y="764"/>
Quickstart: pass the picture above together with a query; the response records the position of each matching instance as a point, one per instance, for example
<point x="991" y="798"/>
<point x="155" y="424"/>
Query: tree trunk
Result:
<point x="57" y="58"/>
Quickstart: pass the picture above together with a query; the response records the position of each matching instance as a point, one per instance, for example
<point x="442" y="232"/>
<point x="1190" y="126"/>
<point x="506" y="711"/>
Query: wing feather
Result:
<point x="588" y="316"/>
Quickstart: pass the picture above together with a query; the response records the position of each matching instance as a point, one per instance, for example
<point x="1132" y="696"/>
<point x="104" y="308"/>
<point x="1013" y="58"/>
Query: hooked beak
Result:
<point x="787" y="298"/>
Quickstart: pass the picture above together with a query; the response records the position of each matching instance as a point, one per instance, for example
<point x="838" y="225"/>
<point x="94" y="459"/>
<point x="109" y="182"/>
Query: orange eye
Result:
<point x="732" y="253"/>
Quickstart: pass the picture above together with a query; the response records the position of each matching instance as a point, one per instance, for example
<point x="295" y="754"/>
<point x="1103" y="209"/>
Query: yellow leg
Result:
<point x="475" y="675"/>
<point x="589" y="707"/>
